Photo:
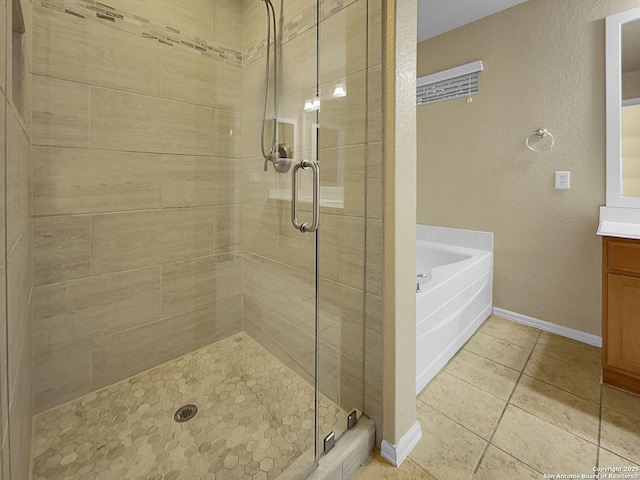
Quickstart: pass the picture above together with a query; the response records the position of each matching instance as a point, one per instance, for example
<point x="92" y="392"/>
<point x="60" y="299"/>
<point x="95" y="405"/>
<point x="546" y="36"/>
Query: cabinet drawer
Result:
<point x="624" y="256"/>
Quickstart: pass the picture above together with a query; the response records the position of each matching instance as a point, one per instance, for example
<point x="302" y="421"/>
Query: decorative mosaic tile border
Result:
<point x="298" y="25"/>
<point x="104" y="14"/>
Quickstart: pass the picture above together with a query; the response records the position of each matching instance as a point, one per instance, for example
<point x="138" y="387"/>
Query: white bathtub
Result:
<point x="454" y="299"/>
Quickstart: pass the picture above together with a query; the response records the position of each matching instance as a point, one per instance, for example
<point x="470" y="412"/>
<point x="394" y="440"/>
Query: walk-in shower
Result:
<point x="186" y="315"/>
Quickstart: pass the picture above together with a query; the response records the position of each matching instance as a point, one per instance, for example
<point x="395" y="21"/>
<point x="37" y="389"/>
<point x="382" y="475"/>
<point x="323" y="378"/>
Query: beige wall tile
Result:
<point x="3" y="54"/>
<point x="124" y="121"/>
<point x="375" y="33"/>
<point x="343" y="43"/>
<point x="342" y="252"/>
<point x="93" y="307"/>
<point x="229" y="294"/>
<point x="3" y="237"/>
<point x="253" y="83"/>
<point x="228" y="228"/>
<point x="228" y="23"/>
<point x="227" y="141"/>
<point x="61" y="376"/>
<point x="4" y="381"/>
<point x="268" y="232"/>
<point x="61" y="248"/>
<point x="343" y="120"/>
<point x="192" y="78"/>
<point x="60" y="112"/>
<point x="281" y="289"/>
<point x="351" y="384"/>
<point x="188" y="285"/>
<point x="67" y="181"/>
<point x="374" y="180"/>
<point x="20" y="418"/>
<point x="110" y="57"/>
<point x="128" y="240"/>
<point x="373" y="334"/>
<point x="196" y="18"/>
<point x="124" y="354"/>
<point x="19" y="282"/>
<point x="196" y="181"/>
<point x="374" y="257"/>
<point x="18" y="167"/>
<point x="374" y="105"/>
<point x="342" y="318"/>
<point x="345" y="168"/>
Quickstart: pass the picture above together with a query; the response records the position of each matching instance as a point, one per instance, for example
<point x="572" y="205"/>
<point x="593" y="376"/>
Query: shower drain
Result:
<point x="185" y="413"/>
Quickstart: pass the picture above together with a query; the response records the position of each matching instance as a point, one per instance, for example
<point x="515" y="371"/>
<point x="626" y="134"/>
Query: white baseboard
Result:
<point x="396" y="454"/>
<point x="550" y="327"/>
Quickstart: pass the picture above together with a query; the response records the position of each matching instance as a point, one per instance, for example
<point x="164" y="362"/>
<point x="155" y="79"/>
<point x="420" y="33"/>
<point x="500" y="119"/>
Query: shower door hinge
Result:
<point x="329" y="442"/>
<point x="352" y="420"/>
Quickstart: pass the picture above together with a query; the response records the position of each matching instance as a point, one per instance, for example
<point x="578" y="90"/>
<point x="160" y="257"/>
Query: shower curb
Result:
<point x="351" y="451"/>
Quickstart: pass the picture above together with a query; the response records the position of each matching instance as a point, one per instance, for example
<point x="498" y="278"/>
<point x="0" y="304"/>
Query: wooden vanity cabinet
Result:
<point x="621" y="313"/>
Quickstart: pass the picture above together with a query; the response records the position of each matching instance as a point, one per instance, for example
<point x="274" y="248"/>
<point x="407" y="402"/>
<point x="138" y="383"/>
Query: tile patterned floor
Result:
<point x="255" y="420"/>
<point x="516" y="403"/>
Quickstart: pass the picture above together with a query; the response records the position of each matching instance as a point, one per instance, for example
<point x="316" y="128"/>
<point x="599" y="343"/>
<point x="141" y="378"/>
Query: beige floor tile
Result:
<point x="581" y="382"/>
<point x="621" y="402"/>
<point x="558" y="407"/>
<point x="378" y="468"/>
<point x="498" y="465"/>
<point x="570" y="351"/>
<point x="473" y="408"/>
<point x="510" y="331"/>
<point x="446" y="450"/>
<point x="545" y="447"/>
<point x="485" y="374"/>
<point x="620" y="434"/>
<point x="611" y="460"/>
<point x="500" y="351"/>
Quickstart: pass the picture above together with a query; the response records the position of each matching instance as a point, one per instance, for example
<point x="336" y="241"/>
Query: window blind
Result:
<point x="456" y="82"/>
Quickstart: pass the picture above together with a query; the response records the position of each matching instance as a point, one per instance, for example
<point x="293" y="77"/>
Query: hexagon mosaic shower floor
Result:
<point x="255" y="420"/>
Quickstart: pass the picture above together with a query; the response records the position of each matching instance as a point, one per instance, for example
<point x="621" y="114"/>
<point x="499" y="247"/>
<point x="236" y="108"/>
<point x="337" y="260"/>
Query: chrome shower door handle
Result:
<point x="305" y="227"/>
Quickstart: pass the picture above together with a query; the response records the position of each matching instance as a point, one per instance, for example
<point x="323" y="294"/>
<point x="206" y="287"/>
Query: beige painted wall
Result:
<point x="544" y="68"/>
<point x="630" y="131"/>
<point x="136" y="208"/>
<point x="399" y="335"/>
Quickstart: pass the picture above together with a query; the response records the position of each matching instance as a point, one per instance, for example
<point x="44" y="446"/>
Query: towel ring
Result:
<point x="539" y="134"/>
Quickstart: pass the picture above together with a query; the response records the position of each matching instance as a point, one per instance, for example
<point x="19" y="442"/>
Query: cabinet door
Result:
<point x="623" y="335"/>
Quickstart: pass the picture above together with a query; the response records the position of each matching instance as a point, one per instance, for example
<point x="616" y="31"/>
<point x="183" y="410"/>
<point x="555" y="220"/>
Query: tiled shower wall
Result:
<point x="135" y="200"/>
<point x="278" y="260"/>
<point x="140" y="194"/>
<point x="16" y="227"/>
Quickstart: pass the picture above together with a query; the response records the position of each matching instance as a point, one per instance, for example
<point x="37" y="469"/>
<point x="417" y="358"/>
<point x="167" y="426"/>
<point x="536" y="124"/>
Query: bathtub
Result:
<point x="455" y="295"/>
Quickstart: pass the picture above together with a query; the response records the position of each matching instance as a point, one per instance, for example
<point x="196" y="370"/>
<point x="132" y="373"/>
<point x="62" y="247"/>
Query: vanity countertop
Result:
<point x="619" y="222"/>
